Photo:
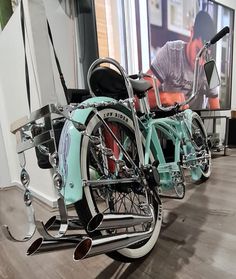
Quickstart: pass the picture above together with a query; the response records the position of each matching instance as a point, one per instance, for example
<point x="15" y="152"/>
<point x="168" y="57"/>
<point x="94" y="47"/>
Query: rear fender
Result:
<point x="69" y="153"/>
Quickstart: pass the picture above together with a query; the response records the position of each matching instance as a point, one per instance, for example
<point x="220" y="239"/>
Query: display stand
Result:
<point x="231" y="132"/>
<point x="214" y="118"/>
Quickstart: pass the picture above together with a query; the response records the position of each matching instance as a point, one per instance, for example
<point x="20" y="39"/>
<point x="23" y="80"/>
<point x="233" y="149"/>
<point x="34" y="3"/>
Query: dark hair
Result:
<point x="204" y="27"/>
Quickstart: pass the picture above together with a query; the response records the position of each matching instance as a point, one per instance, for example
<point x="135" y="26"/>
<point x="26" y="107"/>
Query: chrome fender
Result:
<point x="69" y="153"/>
<point x="189" y="116"/>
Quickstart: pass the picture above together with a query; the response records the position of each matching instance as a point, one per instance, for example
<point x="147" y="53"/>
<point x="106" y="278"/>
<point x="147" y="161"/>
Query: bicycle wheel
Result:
<point x="122" y="198"/>
<point x="202" y="149"/>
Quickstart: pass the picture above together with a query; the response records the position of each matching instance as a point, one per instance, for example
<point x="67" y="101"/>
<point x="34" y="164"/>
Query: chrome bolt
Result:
<point x="58" y="181"/>
<point x="53" y="159"/>
<point x="24" y="177"/>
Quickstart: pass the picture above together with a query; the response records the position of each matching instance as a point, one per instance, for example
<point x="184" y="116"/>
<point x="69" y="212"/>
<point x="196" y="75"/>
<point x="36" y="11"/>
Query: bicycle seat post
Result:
<point x="138" y="135"/>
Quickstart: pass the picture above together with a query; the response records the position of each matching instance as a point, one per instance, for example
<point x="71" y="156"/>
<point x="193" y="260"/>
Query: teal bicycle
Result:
<point x="111" y="164"/>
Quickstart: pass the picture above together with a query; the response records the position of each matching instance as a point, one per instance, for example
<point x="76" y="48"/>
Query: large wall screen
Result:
<point x="173" y="20"/>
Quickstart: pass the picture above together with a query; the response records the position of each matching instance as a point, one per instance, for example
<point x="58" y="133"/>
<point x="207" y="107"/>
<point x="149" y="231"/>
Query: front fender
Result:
<point x="69" y="153"/>
<point x="189" y="114"/>
<point x="196" y="172"/>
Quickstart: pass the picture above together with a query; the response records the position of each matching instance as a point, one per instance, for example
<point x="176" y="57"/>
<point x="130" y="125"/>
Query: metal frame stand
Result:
<point x="225" y="146"/>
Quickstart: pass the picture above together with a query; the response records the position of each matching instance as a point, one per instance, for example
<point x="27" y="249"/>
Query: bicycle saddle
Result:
<point x="108" y="82"/>
<point x="140" y="85"/>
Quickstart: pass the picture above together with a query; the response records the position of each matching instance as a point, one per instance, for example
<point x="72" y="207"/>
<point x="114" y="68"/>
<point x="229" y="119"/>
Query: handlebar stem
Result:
<point x="196" y="73"/>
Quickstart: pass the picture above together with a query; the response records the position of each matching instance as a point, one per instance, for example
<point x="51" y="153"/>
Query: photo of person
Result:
<point x="173" y="62"/>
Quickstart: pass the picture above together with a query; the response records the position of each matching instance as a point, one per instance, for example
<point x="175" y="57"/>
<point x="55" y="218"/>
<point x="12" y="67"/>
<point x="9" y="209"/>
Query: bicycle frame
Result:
<point x="177" y="129"/>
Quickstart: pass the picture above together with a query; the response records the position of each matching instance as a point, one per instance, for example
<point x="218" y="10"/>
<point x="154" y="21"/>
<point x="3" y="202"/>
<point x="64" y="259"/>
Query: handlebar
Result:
<point x="219" y="35"/>
<point x="205" y="47"/>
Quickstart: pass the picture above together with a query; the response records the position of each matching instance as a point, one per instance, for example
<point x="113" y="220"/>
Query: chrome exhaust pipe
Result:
<point x="86" y="247"/>
<point x="105" y="244"/>
<point x="73" y="223"/>
<point x="40" y="245"/>
<point x="117" y="221"/>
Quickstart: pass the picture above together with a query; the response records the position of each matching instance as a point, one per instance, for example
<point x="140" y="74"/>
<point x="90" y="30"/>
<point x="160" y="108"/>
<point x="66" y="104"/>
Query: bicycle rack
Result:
<point x="45" y="140"/>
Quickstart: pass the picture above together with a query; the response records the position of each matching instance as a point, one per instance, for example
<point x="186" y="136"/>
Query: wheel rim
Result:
<point x="122" y="198"/>
<point x="128" y="202"/>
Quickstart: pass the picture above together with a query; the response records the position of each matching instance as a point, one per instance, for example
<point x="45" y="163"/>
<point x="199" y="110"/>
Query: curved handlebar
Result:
<point x="220" y="35"/>
<point x="156" y="91"/>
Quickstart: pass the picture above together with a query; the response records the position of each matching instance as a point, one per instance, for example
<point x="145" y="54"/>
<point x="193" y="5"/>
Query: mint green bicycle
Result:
<point x="111" y="164"/>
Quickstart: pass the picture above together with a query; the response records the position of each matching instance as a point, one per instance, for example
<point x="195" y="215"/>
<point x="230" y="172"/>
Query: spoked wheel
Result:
<point x="106" y="161"/>
<point x="199" y="137"/>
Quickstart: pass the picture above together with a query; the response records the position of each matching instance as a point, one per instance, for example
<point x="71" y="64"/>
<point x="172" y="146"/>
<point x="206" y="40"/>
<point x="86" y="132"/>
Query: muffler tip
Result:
<point x="82" y="249"/>
<point x="95" y="222"/>
<point x="34" y="246"/>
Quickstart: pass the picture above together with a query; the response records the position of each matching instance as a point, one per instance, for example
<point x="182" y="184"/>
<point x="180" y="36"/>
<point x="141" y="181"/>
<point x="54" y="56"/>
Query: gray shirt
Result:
<point x="174" y="72"/>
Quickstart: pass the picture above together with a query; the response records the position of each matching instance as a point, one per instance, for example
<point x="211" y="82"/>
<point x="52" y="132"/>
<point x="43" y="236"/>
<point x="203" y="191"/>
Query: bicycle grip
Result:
<point x="219" y="35"/>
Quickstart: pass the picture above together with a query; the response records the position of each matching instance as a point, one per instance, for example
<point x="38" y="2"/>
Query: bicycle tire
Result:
<point x="199" y="137"/>
<point x="88" y="206"/>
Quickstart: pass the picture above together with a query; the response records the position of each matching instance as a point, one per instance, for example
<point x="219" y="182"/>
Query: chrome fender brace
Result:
<point x="26" y="140"/>
<point x="25" y="180"/>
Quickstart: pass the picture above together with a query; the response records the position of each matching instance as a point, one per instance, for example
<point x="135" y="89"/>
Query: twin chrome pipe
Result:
<point x="85" y="246"/>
